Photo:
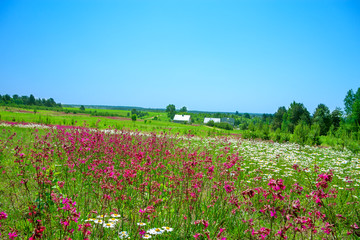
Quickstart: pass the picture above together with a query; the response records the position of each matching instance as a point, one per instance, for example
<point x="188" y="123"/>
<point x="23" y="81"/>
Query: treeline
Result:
<point x="337" y="128"/>
<point x="295" y="124"/>
<point x="30" y="101"/>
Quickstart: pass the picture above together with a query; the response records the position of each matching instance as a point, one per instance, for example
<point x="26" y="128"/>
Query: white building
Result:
<point x="216" y="120"/>
<point x="182" y="118"/>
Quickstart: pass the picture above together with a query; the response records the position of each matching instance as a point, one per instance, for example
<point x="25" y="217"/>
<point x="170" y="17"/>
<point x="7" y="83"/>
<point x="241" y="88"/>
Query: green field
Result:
<point x="147" y="123"/>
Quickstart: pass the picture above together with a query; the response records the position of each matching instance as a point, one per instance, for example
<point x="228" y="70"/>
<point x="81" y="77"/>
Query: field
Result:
<point x="147" y="123"/>
<point x="66" y="182"/>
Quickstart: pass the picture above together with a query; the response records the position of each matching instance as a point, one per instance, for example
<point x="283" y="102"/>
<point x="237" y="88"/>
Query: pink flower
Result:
<point x="12" y="235"/>
<point x="142" y="232"/>
<point x="197" y="235"/>
<point x="354" y="226"/>
<point x="61" y="184"/>
<point x="65" y="223"/>
<point x="273" y="213"/>
<point x="3" y="215"/>
<point x="228" y="188"/>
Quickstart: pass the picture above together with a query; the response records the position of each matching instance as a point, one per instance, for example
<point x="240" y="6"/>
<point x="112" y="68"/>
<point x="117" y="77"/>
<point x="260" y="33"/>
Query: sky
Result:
<point x="211" y="55"/>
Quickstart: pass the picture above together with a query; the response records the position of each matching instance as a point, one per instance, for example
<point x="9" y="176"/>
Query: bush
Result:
<point x="301" y="133"/>
<point x="210" y="123"/>
<point x="224" y="125"/>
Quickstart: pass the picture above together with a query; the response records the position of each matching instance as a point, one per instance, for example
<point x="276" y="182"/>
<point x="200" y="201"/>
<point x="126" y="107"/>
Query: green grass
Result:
<point x="147" y="124"/>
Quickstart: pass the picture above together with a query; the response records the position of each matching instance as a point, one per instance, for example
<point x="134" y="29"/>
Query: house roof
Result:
<point x="216" y="120"/>
<point x="182" y="118"/>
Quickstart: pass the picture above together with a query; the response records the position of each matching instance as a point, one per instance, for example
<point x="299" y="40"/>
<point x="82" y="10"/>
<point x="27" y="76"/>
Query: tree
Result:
<point x="296" y="113"/>
<point x="210" y="123"/>
<point x="183" y="109"/>
<point x="301" y="133"/>
<point x="278" y="118"/>
<point x="348" y="101"/>
<point x="31" y="100"/>
<point x="352" y="108"/>
<point x="314" y="135"/>
<point x="6" y="98"/>
<point x="170" y="109"/>
<point x="133" y="117"/>
<point x="82" y="108"/>
<point x="323" y="118"/>
<point x="356" y="112"/>
<point x="336" y="116"/>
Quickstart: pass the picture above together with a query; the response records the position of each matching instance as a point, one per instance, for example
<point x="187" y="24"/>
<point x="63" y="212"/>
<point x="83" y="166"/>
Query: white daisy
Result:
<point x="168" y="229"/>
<point x="114" y="220"/>
<point x="141" y="224"/>
<point x="147" y="236"/>
<point x="109" y="225"/>
<point x="155" y="231"/>
<point x="115" y="215"/>
<point x="99" y="221"/>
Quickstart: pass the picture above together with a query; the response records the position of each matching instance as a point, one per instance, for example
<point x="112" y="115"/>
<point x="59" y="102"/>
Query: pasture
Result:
<point x="145" y="124"/>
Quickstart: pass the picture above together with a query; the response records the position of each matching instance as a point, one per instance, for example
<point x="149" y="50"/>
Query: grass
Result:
<point x="147" y="124"/>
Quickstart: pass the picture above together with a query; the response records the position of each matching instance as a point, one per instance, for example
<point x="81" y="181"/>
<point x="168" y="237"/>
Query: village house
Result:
<point x="228" y="120"/>
<point x="182" y="119"/>
<point x="215" y="120"/>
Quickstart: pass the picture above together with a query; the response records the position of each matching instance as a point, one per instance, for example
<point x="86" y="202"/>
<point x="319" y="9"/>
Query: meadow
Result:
<point x="72" y="182"/>
<point x="123" y="122"/>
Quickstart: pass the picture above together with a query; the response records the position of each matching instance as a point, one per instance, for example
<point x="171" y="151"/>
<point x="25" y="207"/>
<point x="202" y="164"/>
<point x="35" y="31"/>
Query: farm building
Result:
<point x="182" y="119"/>
<point x="228" y="120"/>
<point x="216" y="120"/>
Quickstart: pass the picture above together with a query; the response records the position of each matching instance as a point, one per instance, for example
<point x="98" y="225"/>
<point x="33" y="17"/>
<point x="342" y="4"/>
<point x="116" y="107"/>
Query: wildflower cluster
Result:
<point x="209" y="188"/>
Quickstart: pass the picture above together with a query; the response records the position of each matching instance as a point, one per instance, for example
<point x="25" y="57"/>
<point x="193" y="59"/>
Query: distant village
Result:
<point x="187" y="119"/>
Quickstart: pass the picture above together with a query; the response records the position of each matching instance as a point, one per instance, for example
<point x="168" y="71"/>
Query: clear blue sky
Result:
<point x="211" y="55"/>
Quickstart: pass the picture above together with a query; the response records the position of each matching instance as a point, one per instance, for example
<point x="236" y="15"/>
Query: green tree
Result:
<point x="210" y="123"/>
<point x="183" y="109"/>
<point x="314" y="135"/>
<point x="278" y="118"/>
<point x="352" y="108"/>
<point x="246" y="115"/>
<point x="133" y="117"/>
<point x="356" y="112"/>
<point x="323" y="118"/>
<point x="170" y="109"/>
<point x="336" y="116"/>
<point x="31" y="100"/>
<point x="301" y="133"/>
<point x="297" y="112"/>
<point x="6" y="98"/>
<point x="82" y="108"/>
<point x="348" y="101"/>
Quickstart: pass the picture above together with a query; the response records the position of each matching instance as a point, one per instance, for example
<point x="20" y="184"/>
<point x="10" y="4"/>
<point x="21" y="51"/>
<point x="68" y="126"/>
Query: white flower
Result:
<point x="123" y="235"/>
<point x="101" y="216"/>
<point x="141" y="224"/>
<point x="109" y="225"/>
<point x="114" y="220"/>
<point x="155" y="231"/>
<point x="147" y="236"/>
<point x="90" y="220"/>
<point x="115" y="215"/>
<point x="99" y="221"/>
<point x="168" y="229"/>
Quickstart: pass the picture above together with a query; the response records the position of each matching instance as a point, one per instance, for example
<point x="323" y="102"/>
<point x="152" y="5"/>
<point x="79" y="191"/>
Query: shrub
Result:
<point x="224" y="125"/>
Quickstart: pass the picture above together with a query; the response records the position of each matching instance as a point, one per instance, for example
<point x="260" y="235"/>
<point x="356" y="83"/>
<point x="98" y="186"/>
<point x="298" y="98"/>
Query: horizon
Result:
<point x="211" y="56"/>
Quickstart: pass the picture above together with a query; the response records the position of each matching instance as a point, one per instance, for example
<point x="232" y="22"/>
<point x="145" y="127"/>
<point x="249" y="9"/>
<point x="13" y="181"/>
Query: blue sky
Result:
<point x="211" y="55"/>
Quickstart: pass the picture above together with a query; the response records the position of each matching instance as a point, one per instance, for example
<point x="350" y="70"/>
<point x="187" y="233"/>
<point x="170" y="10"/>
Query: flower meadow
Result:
<point x="62" y="182"/>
